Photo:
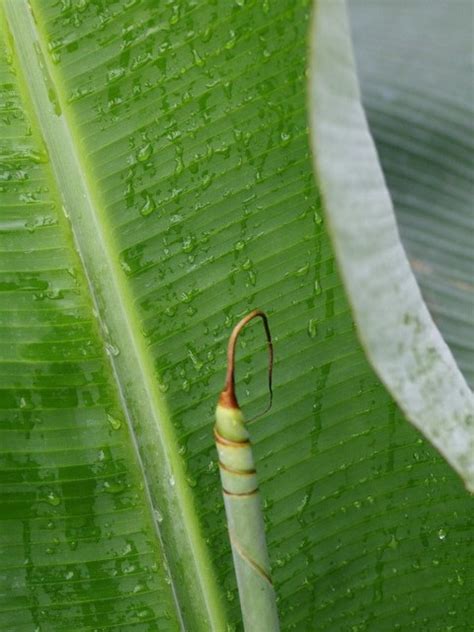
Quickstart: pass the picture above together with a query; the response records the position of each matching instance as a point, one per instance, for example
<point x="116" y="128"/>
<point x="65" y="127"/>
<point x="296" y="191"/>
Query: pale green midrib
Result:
<point x="81" y="191"/>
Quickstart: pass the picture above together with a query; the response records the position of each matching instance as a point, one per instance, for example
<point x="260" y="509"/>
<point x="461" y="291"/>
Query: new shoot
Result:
<point x="242" y="498"/>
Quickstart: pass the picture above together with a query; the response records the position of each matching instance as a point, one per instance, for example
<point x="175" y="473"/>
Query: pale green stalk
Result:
<point x="243" y="505"/>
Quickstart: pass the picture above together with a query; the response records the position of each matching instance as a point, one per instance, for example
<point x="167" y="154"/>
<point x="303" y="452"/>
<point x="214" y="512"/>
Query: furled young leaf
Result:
<point x="157" y="185"/>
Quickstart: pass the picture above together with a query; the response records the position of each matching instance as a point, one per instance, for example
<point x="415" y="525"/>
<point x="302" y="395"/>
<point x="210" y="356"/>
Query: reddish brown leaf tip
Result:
<point x="227" y="399"/>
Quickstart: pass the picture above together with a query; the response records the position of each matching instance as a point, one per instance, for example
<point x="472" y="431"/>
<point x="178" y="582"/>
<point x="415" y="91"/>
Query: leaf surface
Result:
<point x="398" y="333"/>
<point x="175" y="137"/>
<point x="418" y="93"/>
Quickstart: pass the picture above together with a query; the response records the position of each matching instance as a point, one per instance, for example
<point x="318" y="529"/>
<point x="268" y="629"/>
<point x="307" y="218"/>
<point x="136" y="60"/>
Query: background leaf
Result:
<point x="187" y="132"/>
<point x="415" y="64"/>
<point x="399" y="336"/>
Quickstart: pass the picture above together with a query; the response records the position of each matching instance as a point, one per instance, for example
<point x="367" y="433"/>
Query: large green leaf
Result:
<point x="416" y="76"/>
<point x="157" y="184"/>
<point x="394" y="324"/>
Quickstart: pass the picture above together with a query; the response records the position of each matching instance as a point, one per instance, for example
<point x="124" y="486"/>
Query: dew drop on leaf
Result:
<point x="191" y="481"/>
<point x="114" y="422"/>
<point x="442" y="534"/>
<point x="113" y="487"/>
<point x="148" y="206"/>
<point x="145" y="152"/>
<point x="312" y="327"/>
<point x="112" y="349"/>
<point x="317" y="218"/>
<point x="198" y="60"/>
<point x="53" y="499"/>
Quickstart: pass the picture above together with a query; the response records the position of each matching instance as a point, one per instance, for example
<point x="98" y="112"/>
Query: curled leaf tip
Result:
<point x="228" y="398"/>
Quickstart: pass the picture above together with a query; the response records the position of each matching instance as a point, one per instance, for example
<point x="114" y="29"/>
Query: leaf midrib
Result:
<point x="140" y="397"/>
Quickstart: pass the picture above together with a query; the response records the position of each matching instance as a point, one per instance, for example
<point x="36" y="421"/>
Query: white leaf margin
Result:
<point x="396" y="330"/>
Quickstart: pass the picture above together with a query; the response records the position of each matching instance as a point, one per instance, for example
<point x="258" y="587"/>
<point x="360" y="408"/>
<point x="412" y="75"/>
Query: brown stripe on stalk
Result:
<point x="231" y="470"/>
<point x="244" y="555"/>
<point x="228" y="398"/>
<point x="228" y="442"/>
<point x="240" y="494"/>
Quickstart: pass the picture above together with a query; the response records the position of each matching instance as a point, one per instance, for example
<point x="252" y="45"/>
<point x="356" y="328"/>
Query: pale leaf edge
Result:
<point x="395" y="328"/>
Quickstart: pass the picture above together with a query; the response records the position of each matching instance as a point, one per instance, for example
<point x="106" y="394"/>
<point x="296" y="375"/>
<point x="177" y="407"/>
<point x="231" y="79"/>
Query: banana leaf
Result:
<point x="156" y="185"/>
<point x="419" y="98"/>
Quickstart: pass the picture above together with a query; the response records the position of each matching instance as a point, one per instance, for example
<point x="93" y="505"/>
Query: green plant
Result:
<point x="242" y="500"/>
<point x="156" y="185"/>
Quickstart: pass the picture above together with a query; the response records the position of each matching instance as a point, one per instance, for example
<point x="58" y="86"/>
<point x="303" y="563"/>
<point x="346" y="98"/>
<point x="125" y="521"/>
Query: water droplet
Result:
<point x="232" y="41"/>
<point x="145" y="152"/>
<point x="317" y="218"/>
<point x="174" y="17"/>
<point x="125" y="266"/>
<point x="206" y="182"/>
<point x="112" y="349"/>
<point x="148" y="206"/>
<point x="247" y="264"/>
<point x="303" y="504"/>
<point x="128" y="568"/>
<point x="312" y="327"/>
<point x="285" y="138"/>
<point x="187" y="297"/>
<point x="53" y="499"/>
<point x="145" y="613"/>
<point x="197" y="363"/>
<point x="114" y="74"/>
<point x="206" y="34"/>
<point x="442" y="534"/>
<point x="114" y="422"/>
<point x="198" y="60"/>
<point x="189" y="244"/>
<point x="54" y="294"/>
<point x="302" y="271"/>
<point x="113" y="487"/>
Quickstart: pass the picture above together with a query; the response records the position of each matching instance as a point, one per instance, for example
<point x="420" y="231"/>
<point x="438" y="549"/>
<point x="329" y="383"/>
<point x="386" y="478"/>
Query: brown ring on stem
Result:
<point x="228" y="398"/>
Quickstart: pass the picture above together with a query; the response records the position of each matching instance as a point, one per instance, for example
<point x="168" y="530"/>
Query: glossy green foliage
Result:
<point x="191" y="197"/>
<point x="76" y="527"/>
